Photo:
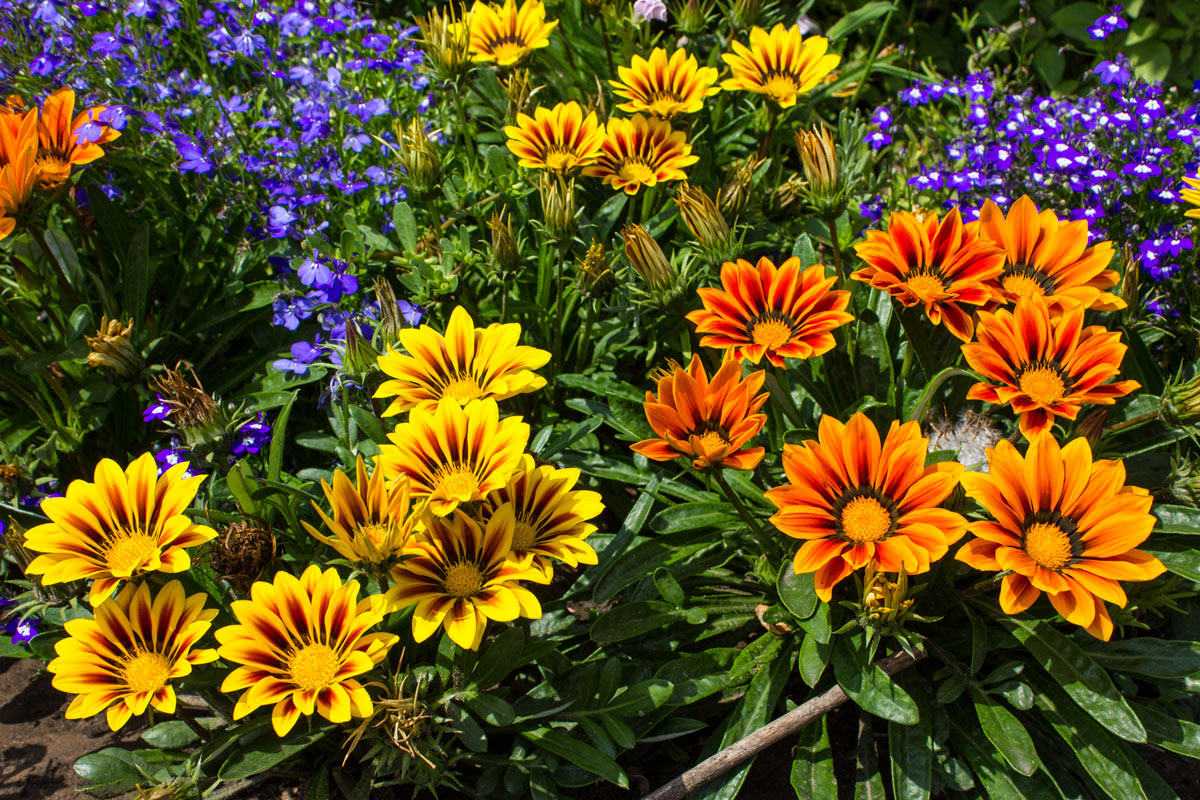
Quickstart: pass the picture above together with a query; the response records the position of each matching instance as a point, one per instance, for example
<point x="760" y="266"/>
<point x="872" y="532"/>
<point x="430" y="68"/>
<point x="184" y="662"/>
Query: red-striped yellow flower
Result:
<point x="1048" y="256"/>
<point x="1191" y="195"/>
<point x="642" y="151"/>
<point x="466" y="364"/>
<point x="944" y="267"/>
<point x="856" y="501"/>
<point x="126" y="523"/>
<point x="1062" y="524"/>
<point x="558" y="139"/>
<point x="455" y="454"/>
<point x="125" y="658"/>
<point x="506" y="34"/>
<point x="459" y="575"/>
<point x="302" y="643"/>
<point x="709" y="422"/>
<point x="772" y="313"/>
<point x="664" y="86"/>
<point x="66" y="141"/>
<point x="1045" y="365"/>
<point x="781" y="64"/>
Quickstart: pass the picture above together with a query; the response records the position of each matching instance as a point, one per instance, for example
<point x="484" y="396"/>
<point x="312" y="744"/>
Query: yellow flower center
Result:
<point x="127" y="551"/>
<point x="771" y="332"/>
<point x="635" y="172"/>
<point x="557" y="158"/>
<point x="1043" y="384"/>
<point x="456" y="481"/>
<point x="462" y="389"/>
<point x="926" y="286"/>
<point x="313" y="667"/>
<point x="781" y="87"/>
<point x="463" y="580"/>
<point x="864" y="519"/>
<point x="1048" y="545"/>
<point x="1023" y="280"/>
<point x="506" y="48"/>
<point x="712" y="441"/>
<point x="524" y="537"/>
<point x="146" y="672"/>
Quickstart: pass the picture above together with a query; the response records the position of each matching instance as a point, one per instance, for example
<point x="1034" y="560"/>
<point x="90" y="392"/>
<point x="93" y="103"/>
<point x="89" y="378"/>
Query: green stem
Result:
<point x="1129" y="423"/>
<point x="558" y="308"/>
<point x="612" y="69"/>
<point x="917" y="340"/>
<point x="783" y="399"/>
<point x="766" y="142"/>
<point x="862" y="79"/>
<point x="837" y="251"/>
<point x="769" y="546"/>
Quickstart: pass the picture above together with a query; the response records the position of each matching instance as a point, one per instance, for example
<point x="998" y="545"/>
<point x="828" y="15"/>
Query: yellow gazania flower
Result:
<point x="459" y="576"/>
<point x="125" y="658"/>
<point x="124" y="524"/>
<point x="301" y="643"/>
<point x="558" y="138"/>
<point x="1192" y="196"/>
<point x="641" y="152"/>
<point x="781" y="64"/>
<point x="371" y="521"/>
<point x="59" y="136"/>
<point x="466" y="364"/>
<point x="506" y="34"/>
<point x="455" y="454"/>
<point x="665" y="87"/>
<point x="551" y="515"/>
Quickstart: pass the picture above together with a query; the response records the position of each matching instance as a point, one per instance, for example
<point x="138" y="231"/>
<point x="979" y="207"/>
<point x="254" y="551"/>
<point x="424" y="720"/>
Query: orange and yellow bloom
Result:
<point x="642" y="151"/>
<point x="506" y="34"/>
<point x="781" y="64"/>
<point x="856" y="501"/>
<point x="125" y="658"/>
<point x="302" y="643"/>
<point x="65" y="141"/>
<point x="764" y="312"/>
<point x="1048" y="256"/>
<point x="126" y="523"/>
<point x="1191" y="195"/>
<point x="558" y="139"/>
<point x="454" y="454"/>
<point x="709" y="422"/>
<point x="664" y="86"/>
<point x="1064" y="524"/>
<point x="459" y="575"/>
<point x="1045" y="365"/>
<point x="943" y="266"/>
<point x="465" y="364"/>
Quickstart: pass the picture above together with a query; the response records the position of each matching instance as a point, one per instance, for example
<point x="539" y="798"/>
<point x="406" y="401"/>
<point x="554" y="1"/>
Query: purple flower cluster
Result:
<point x="251" y="437"/>
<point x="21" y="630"/>
<point x="1108" y="24"/>
<point x="1113" y="156"/>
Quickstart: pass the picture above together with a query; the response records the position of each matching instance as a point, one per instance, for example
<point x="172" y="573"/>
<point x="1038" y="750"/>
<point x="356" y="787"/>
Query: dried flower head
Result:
<point x="241" y="551"/>
<point x="595" y="277"/>
<point x="112" y="348"/>
<point x="191" y="406"/>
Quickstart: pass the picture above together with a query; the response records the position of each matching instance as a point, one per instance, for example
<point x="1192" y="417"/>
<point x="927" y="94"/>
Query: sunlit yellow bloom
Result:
<point x="559" y="138"/>
<point x="506" y="34"/>
<point x="126" y="523"/>
<point x="781" y="64"/>
<point x="455" y="454"/>
<point x="302" y="642"/>
<point x="61" y="136"/>
<point x="641" y="152"/>
<point x="459" y="575"/>
<point x="551" y="515"/>
<point x="371" y="521"/>
<point x="125" y="658"/>
<point x="665" y="87"/>
<point x="1192" y="196"/>
<point x="466" y="364"/>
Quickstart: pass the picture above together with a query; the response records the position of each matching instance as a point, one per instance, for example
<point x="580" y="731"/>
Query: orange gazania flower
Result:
<point x="66" y="141"/>
<point x="641" y="152"/>
<point x="709" y="422"/>
<point x="1045" y="365"/>
<point x="1062" y="524"/>
<point x="856" y="501"/>
<point x="778" y="313"/>
<point x="781" y="64"/>
<point x="505" y="34"/>
<point x="665" y="86"/>
<point x="1048" y="256"/>
<point x="944" y="266"/>
<point x="18" y="165"/>
<point x="558" y="138"/>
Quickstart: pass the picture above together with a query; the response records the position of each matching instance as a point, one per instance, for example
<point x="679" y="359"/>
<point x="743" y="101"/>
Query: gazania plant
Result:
<point x="515" y="399"/>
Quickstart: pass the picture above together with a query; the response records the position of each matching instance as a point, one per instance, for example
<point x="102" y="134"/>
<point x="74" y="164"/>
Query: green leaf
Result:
<point x="170" y="735"/>
<point x="640" y="698"/>
<point x="113" y="771"/>
<point x="633" y="619"/>
<point x="857" y="18"/>
<point x="911" y="748"/>
<point x="1049" y="64"/>
<point x="492" y="709"/>
<point x="797" y="592"/>
<point x="10" y="650"/>
<point x="617" y="546"/>
<point x="1075" y="19"/>
<point x="499" y="659"/>
<point x="693" y="516"/>
<point x="1083" y="679"/>
<point x="1168" y="731"/>
<point x="669" y="588"/>
<point x="868" y="782"/>
<point x="137" y="273"/>
<point x="640" y="562"/>
<point x="1006" y="732"/>
<point x="370" y="424"/>
<point x="820" y="624"/>
<point x="1176" y="519"/>
<point x="242" y="488"/>
<point x="814" y="657"/>
<point x="869" y="686"/>
<point x="63" y="252"/>
<point x="1176" y="557"/>
<point x="699" y="675"/>
<point x="406" y="226"/>
<point x="258" y="753"/>
<point x="279" y="439"/>
<point x="755" y="654"/>
<point x="998" y="781"/>
<point x="578" y="753"/>
<point x="812" y="769"/>
<point x="1158" y="658"/>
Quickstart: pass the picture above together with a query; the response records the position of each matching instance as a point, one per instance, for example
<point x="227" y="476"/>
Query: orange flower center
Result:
<point x="635" y="171"/>
<point x="462" y="389"/>
<point x="864" y="519"/>
<point x="127" y="551"/>
<point x="1048" y="545"/>
<point x="780" y="86"/>
<point x="146" y="672"/>
<point x="1023" y="280"/>
<point x="463" y="580"/>
<point x="1043" y="383"/>
<point x="771" y="330"/>
<point x="927" y="285"/>
<point x="663" y="102"/>
<point x="712" y="442"/>
<point x="313" y="667"/>
<point x="524" y="537"/>
<point x="456" y="481"/>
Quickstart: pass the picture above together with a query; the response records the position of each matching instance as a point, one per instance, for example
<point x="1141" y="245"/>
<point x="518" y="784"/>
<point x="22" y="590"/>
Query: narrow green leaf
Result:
<point x="693" y="516"/>
<point x="405" y="223"/>
<point x="911" y="747"/>
<point x="1006" y="733"/>
<point x="264" y="750"/>
<point x="812" y="769"/>
<point x="868" y="782"/>
<point x="491" y="709"/>
<point x="617" y="546"/>
<point x="669" y="588"/>
<point x="578" y="753"/>
<point x="499" y="659"/>
<point x="857" y="18"/>
<point x="279" y="439"/>
<point x="170" y="735"/>
<point x="1176" y="519"/>
<point x="241" y="488"/>
<point x="997" y="780"/>
<point x="1158" y="658"/>
<point x="138" y="274"/>
<point x="1168" y="731"/>
<point x="633" y="619"/>
<point x="755" y="654"/>
<point x="370" y="424"/>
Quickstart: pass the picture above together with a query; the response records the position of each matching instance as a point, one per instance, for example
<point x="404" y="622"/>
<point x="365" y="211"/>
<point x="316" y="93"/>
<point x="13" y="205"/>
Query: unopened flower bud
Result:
<point x="705" y="221"/>
<point x="692" y="17"/>
<point x="595" y="277"/>
<point x="504" y="243"/>
<point x="1091" y="427"/>
<point x="446" y="41"/>
<point x="519" y="91"/>
<point x="736" y="192"/>
<point x="558" y="205"/>
<point x="744" y="13"/>
<point x="787" y="199"/>
<point x="1184" y="482"/>
<point x="113" y="350"/>
<point x="1130" y="288"/>
<point x="823" y="188"/>
<point x="647" y="257"/>
<point x="418" y="155"/>
<point x="885" y="600"/>
<point x="1179" y="405"/>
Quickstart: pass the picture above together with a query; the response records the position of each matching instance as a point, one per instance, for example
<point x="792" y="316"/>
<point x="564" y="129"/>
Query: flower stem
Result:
<point x="766" y="142"/>
<point x="612" y="69"/>
<point x="1129" y="423"/>
<point x="769" y="546"/>
<point x="783" y="399"/>
<point x="917" y="340"/>
<point x="837" y="251"/>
